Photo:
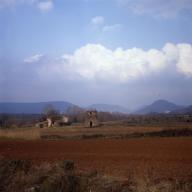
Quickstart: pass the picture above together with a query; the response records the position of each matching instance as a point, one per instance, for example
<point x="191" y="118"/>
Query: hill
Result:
<point x="33" y="108"/>
<point x="109" y="108"/>
<point x="185" y="110"/>
<point x="159" y="106"/>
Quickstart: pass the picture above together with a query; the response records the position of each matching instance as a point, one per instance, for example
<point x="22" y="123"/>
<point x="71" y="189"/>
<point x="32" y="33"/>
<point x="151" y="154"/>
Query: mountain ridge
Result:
<point x="185" y="110"/>
<point x="159" y="106"/>
<point x="109" y="108"/>
<point x="33" y="107"/>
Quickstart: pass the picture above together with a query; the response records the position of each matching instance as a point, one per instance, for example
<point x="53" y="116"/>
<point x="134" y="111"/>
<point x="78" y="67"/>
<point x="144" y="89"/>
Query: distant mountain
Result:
<point x="159" y="106"/>
<point x="109" y="108"/>
<point x="33" y="108"/>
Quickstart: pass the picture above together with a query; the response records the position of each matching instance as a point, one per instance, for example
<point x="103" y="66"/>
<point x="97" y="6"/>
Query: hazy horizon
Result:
<point x="119" y="52"/>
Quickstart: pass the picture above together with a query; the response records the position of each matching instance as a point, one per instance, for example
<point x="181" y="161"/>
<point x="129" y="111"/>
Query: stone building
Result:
<point x="64" y="120"/>
<point x="91" y="118"/>
<point x="49" y="122"/>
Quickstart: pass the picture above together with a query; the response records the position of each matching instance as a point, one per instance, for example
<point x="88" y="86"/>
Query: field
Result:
<point x="113" y="150"/>
<point x="116" y="157"/>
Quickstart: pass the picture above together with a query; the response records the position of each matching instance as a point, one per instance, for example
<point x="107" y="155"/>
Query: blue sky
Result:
<point x="96" y="51"/>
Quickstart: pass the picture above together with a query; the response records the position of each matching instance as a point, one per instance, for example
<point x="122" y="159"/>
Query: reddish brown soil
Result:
<point x="167" y="156"/>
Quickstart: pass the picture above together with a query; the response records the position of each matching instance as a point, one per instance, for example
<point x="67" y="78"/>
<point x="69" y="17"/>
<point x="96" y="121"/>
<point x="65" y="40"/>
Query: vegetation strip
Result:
<point x="164" y="133"/>
<point x="62" y="176"/>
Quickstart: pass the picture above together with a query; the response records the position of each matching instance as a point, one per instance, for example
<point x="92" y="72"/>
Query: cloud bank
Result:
<point x="94" y="73"/>
<point x="95" y="61"/>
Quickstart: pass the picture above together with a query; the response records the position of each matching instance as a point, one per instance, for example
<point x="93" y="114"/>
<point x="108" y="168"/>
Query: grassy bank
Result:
<point x="20" y="133"/>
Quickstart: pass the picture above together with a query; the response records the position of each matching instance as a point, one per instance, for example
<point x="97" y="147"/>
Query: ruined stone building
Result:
<point x="50" y="122"/>
<point x="91" y="118"/>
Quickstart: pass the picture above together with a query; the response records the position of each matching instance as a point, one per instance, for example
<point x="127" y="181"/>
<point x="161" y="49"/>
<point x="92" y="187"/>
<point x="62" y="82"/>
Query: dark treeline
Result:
<point x="79" y="115"/>
<point x="18" y="120"/>
<point x="75" y="114"/>
<point x="159" y="119"/>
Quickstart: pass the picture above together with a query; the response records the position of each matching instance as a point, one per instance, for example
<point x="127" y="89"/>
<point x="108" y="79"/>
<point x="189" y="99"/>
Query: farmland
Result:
<point x="114" y="150"/>
<point x="165" y="155"/>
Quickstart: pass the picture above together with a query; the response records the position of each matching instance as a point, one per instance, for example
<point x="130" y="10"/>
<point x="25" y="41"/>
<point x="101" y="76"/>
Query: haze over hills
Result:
<point x="33" y="108"/>
<point x="100" y="56"/>
<point x="109" y="108"/>
<point x="185" y="110"/>
<point x="62" y="106"/>
<point x="159" y="106"/>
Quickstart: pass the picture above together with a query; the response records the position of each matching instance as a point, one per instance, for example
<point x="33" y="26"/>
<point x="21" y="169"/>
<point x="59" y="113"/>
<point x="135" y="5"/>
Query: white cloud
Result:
<point x="94" y="61"/>
<point x="111" y="28"/>
<point x="185" y="59"/>
<point x="45" y="5"/>
<point x="161" y="8"/>
<point x="34" y="58"/>
<point x="98" y="23"/>
<point x="42" y="5"/>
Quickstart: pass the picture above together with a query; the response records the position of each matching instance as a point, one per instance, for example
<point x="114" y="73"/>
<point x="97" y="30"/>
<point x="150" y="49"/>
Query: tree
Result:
<point x="50" y="112"/>
<point x="76" y="114"/>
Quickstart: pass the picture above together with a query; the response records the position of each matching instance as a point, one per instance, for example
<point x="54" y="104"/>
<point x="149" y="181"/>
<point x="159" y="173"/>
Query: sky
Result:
<point x="124" y="52"/>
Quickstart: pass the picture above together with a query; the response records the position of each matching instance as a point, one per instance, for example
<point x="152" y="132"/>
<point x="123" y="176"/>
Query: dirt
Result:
<point x="166" y="156"/>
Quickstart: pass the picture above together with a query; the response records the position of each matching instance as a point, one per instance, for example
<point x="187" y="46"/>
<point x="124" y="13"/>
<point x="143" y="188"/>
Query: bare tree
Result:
<point x="51" y="114"/>
<point x="76" y="113"/>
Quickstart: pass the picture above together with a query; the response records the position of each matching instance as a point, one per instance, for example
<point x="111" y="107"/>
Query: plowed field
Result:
<point x="166" y="156"/>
